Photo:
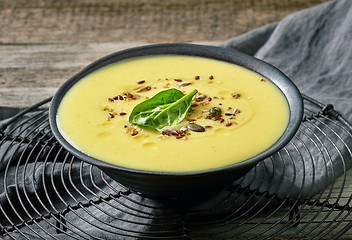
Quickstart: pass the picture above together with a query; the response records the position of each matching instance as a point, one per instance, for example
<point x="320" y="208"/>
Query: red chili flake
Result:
<point x="228" y="114"/>
<point x="194" y="105"/>
<point x="211" y="77"/>
<point x="120" y="97"/>
<point x="141" y="82"/>
<point x="191" y="120"/>
<point x="165" y="133"/>
<point x="125" y="126"/>
<point x="208" y="127"/>
<point x="228" y="124"/>
<point x="221" y="120"/>
<point x="209" y="99"/>
<point x="217" y="117"/>
<point x="179" y="137"/>
<point x="128" y="95"/>
<point x="134" y="133"/>
<point x="178" y="80"/>
<point x="110" y="99"/>
<point x="111" y="115"/>
<point x="262" y="80"/>
<point x="197" y="77"/>
<point x="122" y="113"/>
<point x="183" y="130"/>
<point x="116" y="98"/>
<point x="208" y="117"/>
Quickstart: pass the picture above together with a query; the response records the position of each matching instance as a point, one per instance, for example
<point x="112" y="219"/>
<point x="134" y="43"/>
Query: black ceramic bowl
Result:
<point x="185" y="184"/>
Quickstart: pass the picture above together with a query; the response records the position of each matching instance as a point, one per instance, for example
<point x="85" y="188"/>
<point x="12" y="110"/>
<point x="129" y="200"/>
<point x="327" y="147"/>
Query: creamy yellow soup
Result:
<point x="93" y="115"/>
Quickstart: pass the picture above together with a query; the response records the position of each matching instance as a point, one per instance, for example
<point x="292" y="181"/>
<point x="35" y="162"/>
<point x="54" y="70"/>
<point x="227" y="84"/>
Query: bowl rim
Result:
<point x="287" y="87"/>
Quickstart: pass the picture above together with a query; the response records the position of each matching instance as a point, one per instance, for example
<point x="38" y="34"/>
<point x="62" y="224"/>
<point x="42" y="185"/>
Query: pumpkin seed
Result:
<point x="215" y="111"/>
<point x="195" y="127"/>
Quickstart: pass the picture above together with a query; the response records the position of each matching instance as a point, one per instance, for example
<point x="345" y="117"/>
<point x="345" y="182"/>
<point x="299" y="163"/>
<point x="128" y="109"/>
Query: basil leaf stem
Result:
<point x="166" y="108"/>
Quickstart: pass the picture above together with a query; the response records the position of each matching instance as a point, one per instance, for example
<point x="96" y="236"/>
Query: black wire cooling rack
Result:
<point x="46" y="193"/>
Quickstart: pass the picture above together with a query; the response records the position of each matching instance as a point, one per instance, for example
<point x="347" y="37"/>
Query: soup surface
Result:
<point x="251" y="113"/>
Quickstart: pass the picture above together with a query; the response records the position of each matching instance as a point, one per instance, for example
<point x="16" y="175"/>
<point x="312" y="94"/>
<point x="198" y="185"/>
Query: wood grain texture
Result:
<point x="44" y="42"/>
<point x="30" y="73"/>
<point x="138" y="20"/>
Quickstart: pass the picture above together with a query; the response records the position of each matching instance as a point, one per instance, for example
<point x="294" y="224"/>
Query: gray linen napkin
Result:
<point x="312" y="47"/>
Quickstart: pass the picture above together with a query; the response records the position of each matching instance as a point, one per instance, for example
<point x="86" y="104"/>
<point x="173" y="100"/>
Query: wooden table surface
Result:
<point x="43" y="43"/>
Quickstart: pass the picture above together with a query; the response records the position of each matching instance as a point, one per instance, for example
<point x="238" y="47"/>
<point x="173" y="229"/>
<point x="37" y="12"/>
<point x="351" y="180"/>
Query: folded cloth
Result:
<point x="312" y="47"/>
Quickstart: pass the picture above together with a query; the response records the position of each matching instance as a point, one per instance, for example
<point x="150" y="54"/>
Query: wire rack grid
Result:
<point x="46" y="193"/>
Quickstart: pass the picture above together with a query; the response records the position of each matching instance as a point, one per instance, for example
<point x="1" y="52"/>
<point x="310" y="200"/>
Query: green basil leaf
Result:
<point x="167" y="108"/>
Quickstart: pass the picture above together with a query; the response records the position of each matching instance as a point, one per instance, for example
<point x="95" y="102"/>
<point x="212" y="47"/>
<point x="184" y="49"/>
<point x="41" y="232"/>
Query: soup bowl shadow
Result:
<point x="185" y="184"/>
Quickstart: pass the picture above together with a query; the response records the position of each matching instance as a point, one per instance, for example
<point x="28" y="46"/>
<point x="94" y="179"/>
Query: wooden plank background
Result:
<point x="40" y="21"/>
<point x="44" y="42"/>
